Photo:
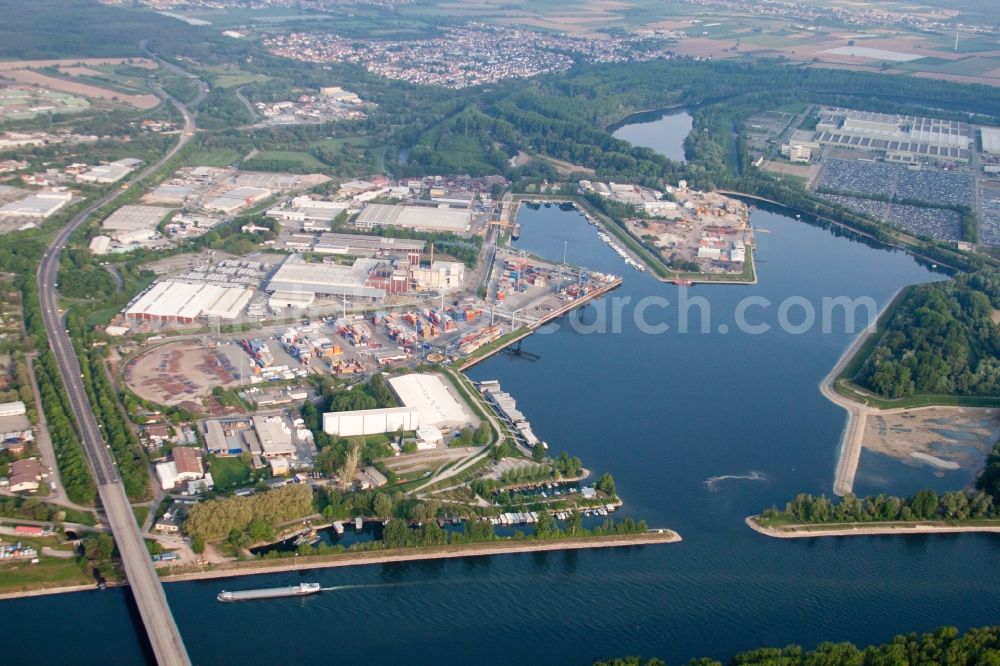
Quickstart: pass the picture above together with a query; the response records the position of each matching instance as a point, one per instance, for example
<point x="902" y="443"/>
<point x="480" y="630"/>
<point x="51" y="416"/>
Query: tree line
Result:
<point x="944" y="646"/>
<point x="21" y="256"/>
<point x="923" y="505"/>
<point x="133" y="466"/>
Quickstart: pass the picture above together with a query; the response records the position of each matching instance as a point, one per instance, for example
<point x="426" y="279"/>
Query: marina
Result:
<point x="620" y="251"/>
<point x="506" y="407"/>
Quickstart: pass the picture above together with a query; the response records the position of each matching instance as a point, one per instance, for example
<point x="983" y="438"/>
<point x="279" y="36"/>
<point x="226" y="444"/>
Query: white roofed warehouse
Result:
<point x="296" y="276"/>
<point x="431" y="397"/>
<point x="371" y="421"/>
<point x="991" y="140"/>
<point x="134" y="223"/>
<point x="182" y="303"/>
<point x="419" y="218"/>
<point x="38" y="205"/>
<point x="110" y="173"/>
<point x="237" y="198"/>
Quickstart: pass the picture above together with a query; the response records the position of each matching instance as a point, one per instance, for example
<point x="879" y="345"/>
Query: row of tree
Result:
<point x="73" y="469"/>
<point x="129" y="454"/>
<point x="20" y="256"/>
<point x="936" y="648"/>
<point x="923" y="505"/>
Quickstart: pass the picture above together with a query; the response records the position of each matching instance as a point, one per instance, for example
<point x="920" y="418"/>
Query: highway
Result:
<point x="161" y="629"/>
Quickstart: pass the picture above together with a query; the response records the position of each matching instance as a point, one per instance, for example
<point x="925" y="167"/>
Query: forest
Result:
<point x="940" y="340"/>
<point x="217" y="518"/>
<point x="944" y="646"/>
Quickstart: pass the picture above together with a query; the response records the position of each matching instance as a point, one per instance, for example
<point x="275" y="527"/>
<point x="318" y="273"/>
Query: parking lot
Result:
<point x="937" y="223"/>
<point x="899" y="182"/>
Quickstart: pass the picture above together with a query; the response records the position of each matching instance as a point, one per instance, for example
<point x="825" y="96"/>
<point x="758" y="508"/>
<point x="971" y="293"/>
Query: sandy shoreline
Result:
<point x="809" y="531"/>
<point x="259" y="567"/>
<point x="857" y="415"/>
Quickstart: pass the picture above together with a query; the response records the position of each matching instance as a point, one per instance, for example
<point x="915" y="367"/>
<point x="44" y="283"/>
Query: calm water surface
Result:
<point x="698" y="430"/>
<point x="664" y="132"/>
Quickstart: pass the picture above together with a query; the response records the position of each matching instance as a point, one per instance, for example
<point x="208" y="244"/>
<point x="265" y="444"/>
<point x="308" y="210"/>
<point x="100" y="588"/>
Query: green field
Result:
<point x="971" y="66"/>
<point x="966" y="44"/>
<point x="220" y="157"/>
<point x="342" y="142"/>
<point x="141" y="513"/>
<point x="775" y="40"/>
<point x="237" y="80"/>
<point x="228" y="473"/>
<point x="304" y="160"/>
<point x="240" y="17"/>
<point x="20" y="575"/>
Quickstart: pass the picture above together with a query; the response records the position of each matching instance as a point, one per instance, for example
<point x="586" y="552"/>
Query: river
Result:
<point x="699" y="431"/>
<point x="663" y="131"/>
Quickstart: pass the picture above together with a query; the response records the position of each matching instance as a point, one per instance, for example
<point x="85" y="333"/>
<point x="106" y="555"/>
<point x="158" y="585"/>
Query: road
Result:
<point x="977" y="194"/>
<point x="164" y="637"/>
<point x="246" y="104"/>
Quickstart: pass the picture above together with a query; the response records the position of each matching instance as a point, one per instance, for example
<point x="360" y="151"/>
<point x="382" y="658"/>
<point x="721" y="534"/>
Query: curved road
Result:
<point x="164" y="636"/>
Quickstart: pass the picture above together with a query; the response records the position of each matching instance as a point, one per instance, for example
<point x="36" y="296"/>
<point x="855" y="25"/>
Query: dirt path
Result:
<point x="867" y="529"/>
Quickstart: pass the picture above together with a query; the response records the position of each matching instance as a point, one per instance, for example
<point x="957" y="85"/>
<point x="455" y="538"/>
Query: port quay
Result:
<point x="526" y="330"/>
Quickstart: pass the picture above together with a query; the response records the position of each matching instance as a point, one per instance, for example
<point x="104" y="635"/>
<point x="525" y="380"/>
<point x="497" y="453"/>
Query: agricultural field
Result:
<point x="23" y="102"/>
<point x="220" y="157"/>
<point x="284" y="159"/>
<point x="231" y="76"/>
<point x="116" y="80"/>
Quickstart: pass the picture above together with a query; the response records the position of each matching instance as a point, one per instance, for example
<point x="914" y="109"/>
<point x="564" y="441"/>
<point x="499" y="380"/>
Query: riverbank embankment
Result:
<point x="894" y="528"/>
<point x="857" y="416"/>
<point x="255" y="567"/>
<point x="305" y="563"/>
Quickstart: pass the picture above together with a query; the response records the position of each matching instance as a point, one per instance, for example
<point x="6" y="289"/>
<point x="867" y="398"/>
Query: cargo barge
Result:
<point x="300" y="590"/>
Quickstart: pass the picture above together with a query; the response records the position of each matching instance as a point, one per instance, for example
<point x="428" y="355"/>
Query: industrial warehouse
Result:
<point x="356" y="245"/>
<point x="428" y="408"/>
<point x="310" y="214"/>
<point x="298" y="283"/>
<point x="371" y="421"/>
<point x="106" y="174"/>
<point x="226" y="191"/>
<point x="905" y="139"/>
<point x="133" y="224"/>
<point x="182" y="303"/>
<point x="37" y="206"/>
<point x="420" y="218"/>
<point x="430" y="396"/>
<point x="990" y="139"/>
